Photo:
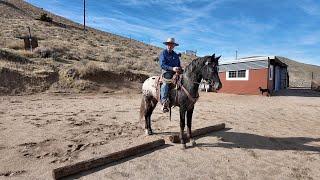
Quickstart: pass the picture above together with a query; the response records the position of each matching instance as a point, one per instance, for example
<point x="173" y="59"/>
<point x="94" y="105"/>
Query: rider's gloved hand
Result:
<point x="177" y="69"/>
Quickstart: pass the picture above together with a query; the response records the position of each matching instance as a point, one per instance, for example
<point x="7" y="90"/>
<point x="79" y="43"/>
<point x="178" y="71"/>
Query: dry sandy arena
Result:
<point x="266" y="137"/>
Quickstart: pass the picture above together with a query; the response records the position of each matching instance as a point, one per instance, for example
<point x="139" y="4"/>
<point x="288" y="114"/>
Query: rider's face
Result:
<point x="170" y="46"/>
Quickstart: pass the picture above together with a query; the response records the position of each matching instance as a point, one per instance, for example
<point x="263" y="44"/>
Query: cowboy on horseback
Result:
<point x="185" y="94"/>
<point x="170" y="64"/>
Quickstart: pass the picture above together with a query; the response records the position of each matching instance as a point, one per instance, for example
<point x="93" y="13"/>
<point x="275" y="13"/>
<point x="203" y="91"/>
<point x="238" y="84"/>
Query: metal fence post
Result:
<point x="30" y="38"/>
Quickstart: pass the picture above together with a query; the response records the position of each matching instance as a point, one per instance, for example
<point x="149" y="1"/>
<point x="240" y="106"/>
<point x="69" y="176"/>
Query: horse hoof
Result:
<point x="184" y="146"/>
<point x="148" y="133"/>
<point x="193" y="143"/>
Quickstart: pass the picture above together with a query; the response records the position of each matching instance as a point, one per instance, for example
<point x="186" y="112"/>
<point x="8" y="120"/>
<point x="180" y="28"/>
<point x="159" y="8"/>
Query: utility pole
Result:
<point x="84" y="16"/>
<point x="312" y="80"/>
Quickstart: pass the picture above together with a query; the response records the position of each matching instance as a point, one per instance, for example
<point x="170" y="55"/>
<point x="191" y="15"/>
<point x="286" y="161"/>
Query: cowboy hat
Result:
<point x="171" y="41"/>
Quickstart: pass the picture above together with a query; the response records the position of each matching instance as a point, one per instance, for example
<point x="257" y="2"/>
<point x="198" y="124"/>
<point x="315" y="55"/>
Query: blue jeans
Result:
<point x="165" y="87"/>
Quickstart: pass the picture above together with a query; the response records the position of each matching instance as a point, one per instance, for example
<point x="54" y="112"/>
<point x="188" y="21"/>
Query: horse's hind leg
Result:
<point x="189" y="123"/>
<point x="143" y="108"/>
<point x="149" y="105"/>
<point x="153" y="104"/>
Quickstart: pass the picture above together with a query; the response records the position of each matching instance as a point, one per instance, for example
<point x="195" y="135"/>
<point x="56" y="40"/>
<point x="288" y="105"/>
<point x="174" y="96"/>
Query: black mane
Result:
<point x="198" y="62"/>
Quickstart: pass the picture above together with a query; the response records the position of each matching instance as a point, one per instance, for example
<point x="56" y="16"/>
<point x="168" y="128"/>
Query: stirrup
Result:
<point x="165" y="109"/>
<point x="165" y="106"/>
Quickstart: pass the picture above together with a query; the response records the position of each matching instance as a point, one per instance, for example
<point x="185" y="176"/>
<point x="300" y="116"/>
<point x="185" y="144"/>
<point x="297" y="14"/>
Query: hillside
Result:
<point x="300" y="74"/>
<point x="69" y="60"/>
<point x="78" y="61"/>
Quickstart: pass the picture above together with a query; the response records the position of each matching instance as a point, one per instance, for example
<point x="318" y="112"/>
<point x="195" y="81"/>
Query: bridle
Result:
<point x="194" y="99"/>
<point x="207" y="71"/>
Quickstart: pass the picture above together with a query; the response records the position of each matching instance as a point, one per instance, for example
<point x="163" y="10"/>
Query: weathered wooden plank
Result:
<point x="198" y="132"/>
<point x="100" y="161"/>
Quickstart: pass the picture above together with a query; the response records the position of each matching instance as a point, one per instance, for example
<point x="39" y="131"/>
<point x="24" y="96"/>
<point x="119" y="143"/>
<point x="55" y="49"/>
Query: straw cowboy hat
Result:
<point x="171" y="41"/>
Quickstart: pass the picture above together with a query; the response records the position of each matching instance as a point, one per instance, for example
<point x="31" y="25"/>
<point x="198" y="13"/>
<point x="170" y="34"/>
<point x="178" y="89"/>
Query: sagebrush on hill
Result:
<point x="63" y="45"/>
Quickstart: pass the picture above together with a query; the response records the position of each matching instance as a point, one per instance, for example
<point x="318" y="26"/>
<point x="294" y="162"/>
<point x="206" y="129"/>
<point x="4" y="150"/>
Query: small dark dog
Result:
<point x="264" y="90"/>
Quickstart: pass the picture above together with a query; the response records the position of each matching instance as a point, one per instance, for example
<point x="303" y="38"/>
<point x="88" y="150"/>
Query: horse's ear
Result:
<point x="218" y="58"/>
<point x="213" y="56"/>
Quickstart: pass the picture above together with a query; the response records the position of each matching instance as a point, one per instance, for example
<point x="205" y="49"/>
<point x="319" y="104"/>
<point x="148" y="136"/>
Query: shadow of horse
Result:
<point x="253" y="141"/>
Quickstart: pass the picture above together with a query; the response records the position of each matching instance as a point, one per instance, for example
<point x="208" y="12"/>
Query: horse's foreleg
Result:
<point x="182" y="125"/>
<point x="189" y="124"/>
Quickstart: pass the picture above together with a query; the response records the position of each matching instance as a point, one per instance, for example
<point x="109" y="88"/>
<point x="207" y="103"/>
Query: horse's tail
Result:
<point x="142" y="108"/>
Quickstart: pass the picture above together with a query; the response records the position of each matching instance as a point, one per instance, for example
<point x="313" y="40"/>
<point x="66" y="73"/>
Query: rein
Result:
<point x="192" y="99"/>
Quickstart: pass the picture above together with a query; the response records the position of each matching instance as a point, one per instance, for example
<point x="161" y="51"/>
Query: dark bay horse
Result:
<point x="185" y="97"/>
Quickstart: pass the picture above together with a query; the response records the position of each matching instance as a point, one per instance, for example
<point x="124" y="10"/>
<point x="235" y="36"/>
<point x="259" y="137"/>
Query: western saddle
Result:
<point x="176" y="83"/>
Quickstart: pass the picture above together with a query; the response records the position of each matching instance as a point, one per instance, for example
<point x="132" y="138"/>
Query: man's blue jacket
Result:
<point x="169" y="60"/>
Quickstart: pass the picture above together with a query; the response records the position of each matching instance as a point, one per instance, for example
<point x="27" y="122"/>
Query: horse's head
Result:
<point x="210" y="72"/>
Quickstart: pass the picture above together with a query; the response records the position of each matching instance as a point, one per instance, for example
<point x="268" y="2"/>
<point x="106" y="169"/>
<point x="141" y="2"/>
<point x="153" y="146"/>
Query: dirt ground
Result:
<point x="266" y="137"/>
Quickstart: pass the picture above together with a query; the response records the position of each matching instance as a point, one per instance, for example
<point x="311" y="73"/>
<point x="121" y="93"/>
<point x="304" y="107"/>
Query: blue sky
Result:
<point x="289" y="28"/>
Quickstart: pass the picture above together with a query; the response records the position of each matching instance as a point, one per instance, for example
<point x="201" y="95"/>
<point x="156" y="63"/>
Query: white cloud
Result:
<point x="249" y="24"/>
<point x="196" y="28"/>
<point x="312" y="38"/>
<point x="161" y="2"/>
<point x="125" y="28"/>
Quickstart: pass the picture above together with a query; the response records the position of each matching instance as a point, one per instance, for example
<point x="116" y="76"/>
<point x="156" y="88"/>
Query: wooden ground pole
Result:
<point x="100" y="161"/>
<point x="198" y="132"/>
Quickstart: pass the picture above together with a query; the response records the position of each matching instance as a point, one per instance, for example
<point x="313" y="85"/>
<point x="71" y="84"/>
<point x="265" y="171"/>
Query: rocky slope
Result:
<point x="69" y="60"/>
<point x="79" y="61"/>
<point x="300" y="74"/>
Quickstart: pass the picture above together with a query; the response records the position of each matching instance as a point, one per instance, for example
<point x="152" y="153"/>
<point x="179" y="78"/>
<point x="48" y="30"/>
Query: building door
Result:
<point x="277" y="78"/>
<point x="283" y="78"/>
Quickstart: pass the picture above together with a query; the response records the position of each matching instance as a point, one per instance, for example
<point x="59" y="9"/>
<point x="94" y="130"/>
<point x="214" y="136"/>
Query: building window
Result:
<point x="242" y="73"/>
<point x="232" y="74"/>
<point x="237" y="75"/>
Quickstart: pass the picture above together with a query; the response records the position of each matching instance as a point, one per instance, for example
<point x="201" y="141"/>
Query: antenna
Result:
<point x="236" y="54"/>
